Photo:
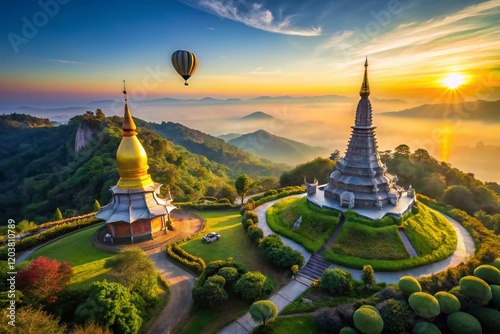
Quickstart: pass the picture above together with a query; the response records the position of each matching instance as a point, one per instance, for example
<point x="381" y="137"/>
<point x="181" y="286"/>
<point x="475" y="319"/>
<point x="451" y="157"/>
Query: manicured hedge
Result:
<point x="425" y="327"/>
<point x="447" y="302"/>
<point x="424" y="304"/>
<point x="463" y="323"/>
<point x="488" y="318"/>
<point x="281" y="192"/>
<point x="489" y="274"/>
<point x="495" y="295"/>
<point x="368" y="321"/>
<point x="409" y="285"/>
<point x="52" y="233"/>
<point x="191" y="262"/>
<point x="475" y="288"/>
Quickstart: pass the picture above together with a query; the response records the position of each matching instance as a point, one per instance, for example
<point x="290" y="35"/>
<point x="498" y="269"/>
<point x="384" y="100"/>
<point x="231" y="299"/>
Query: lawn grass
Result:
<point x="233" y="243"/>
<point x="211" y="320"/>
<point x="78" y="250"/>
<point x="428" y="231"/>
<point x="431" y="234"/>
<point x="363" y="241"/>
<point x="316" y="227"/>
<point x="303" y="324"/>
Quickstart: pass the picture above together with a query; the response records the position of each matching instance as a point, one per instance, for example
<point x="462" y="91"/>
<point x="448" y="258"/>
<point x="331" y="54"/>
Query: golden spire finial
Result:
<point x="365" y="88"/>
<point x="128" y="126"/>
<point x="131" y="157"/>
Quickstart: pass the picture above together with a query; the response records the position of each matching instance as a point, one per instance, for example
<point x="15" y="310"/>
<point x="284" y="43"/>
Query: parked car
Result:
<point x="212" y="236"/>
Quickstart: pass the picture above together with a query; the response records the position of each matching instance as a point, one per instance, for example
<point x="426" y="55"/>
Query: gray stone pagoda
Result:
<point x="360" y="179"/>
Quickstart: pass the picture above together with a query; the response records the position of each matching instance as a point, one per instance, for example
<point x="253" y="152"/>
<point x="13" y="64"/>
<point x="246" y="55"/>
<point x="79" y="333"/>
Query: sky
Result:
<point x="62" y="51"/>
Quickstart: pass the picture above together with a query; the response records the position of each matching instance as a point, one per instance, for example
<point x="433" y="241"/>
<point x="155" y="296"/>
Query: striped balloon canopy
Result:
<point x="185" y="63"/>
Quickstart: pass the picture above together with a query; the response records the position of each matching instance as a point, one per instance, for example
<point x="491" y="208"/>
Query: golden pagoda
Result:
<point x="135" y="210"/>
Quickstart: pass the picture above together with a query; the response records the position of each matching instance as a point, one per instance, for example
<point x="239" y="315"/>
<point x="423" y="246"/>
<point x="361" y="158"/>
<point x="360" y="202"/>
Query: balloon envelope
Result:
<point x="185" y="63"/>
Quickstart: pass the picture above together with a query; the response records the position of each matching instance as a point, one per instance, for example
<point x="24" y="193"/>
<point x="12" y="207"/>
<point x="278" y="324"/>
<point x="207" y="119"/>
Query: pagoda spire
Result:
<point x="365" y="87"/>
<point x="131" y="157"/>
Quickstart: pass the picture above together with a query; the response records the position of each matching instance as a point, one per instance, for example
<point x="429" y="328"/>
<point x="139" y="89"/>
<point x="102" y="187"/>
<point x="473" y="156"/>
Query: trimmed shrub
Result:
<point x="463" y="323"/>
<point x="475" y="288"/>
<point x="495" y="295"/>
<point x="487" y="273"/>
<point x="368" y="321"/>
<point x="371" y="307"/>
<point x="409" y="285"/>
<point x="488" y="318"/>
<point x="253" y="285"/>
<point x="189" y="261"/>
<point x="212" y="293"/>
<point x="425" y="327"/>
<point x="447" y="302"/>
<point x="424" y="304"/>
<point x="246" y="223"/>
<point x="224" y="201"/>
<point x="348" y="330"/>
<point x="368" y="275"/>
<point x="337" y="281"/>
<point x="230" y="274"/>
<point x="395" y="314"/>
<point x="496" y="263"/>
<point x="250" y="215"/>
<point x="255" y="234"/>
<point x="246" y="207"/>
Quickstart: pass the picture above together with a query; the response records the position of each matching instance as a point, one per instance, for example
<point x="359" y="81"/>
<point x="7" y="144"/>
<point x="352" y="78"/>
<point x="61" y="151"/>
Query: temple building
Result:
<point x="135" y="211"/>
<point x="360" y="179"/>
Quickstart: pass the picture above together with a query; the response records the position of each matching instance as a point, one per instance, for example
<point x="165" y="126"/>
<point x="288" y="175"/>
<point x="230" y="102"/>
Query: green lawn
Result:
<point x="368" y="242"/>
<point x="303" y="324"/>
<point x="429" y="231"/>
<point x="316" y="227"/>
<point x="233" y="243"/>
<point x="77" y="249"/>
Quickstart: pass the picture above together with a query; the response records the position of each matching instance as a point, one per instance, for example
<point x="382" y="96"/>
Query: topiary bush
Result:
<point x="253" y="285"/>
<point x="371" y="307"/>
<point x="496" y="263"/>
<point x="463" y="323"/>
<point x="475" y="289"/>
<point x="348" y="330"/>
<point x="255" y="233"/>
<point x="337" y="281"/>
<point x="368" y="321"/>
<point x="487" y="273"/>
<point x="409" y="285"/>
<point x="447" y="302"/>
<point x="230" y="274"/>
<point x="488" y="318"/>
<point x="495" y="295"/>
<point x="424" y="304"/>
<point x="425" y="327"/>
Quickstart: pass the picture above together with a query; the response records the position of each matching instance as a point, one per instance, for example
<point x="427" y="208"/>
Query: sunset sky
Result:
<point x="76" y="50"/>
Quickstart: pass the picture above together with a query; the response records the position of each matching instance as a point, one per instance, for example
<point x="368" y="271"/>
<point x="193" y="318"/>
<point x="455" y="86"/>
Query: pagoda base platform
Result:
<point x="405" y="204"/>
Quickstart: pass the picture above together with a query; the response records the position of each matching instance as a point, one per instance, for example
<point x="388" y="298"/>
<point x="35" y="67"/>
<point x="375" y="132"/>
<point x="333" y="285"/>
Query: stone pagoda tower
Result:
<point x="360" y="179"/>
<point x="135" y="209"/>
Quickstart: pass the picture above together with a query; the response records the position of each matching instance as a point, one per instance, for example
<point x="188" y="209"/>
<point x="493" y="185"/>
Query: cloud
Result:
<point x="254" y="15"/>
<point x="64" y="61"/>
<point x="467" y="38"/>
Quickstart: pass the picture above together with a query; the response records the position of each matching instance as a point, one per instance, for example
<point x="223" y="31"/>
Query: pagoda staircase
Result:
<point x="313" y="269"/>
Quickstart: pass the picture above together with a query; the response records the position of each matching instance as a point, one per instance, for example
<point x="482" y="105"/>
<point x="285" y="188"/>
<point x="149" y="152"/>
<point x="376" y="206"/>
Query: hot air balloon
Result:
<point x="185" y="63"/>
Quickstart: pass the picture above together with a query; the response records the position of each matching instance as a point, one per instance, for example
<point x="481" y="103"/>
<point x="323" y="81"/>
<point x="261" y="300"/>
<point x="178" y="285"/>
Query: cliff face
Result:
<point x="83" y="135"/>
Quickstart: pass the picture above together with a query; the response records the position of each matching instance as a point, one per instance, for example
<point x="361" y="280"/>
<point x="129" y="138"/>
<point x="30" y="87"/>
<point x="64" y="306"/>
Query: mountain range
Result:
<point x="487" y="111"/>
<point x="277" y="149"/>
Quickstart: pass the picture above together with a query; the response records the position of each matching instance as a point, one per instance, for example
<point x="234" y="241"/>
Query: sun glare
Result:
<point x="453" y="80"/>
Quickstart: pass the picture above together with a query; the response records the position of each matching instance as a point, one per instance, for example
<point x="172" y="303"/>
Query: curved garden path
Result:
<point x="465" y="248"/>
<point x="283" y="297"/>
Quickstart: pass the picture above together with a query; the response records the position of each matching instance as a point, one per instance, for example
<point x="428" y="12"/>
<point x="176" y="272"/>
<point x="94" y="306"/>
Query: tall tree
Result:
<point x="109" y="304"/>
<point x="263" y="310"/>
<point x="243" y="185"/>
<point x="32" y="321"/>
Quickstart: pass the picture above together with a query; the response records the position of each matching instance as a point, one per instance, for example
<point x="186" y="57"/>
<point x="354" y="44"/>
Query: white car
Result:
<point x="212" y="236"/>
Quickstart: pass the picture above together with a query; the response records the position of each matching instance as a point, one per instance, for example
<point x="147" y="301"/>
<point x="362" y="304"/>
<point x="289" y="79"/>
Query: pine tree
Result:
<point x="97" y="205"/>
<point x="58" y="214"/>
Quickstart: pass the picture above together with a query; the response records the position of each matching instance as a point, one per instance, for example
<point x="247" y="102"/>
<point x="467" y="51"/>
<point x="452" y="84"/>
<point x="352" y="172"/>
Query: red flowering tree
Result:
<point x="43" y="278"/>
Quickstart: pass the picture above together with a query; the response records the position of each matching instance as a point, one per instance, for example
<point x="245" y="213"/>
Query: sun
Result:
<point x="453" y="80"/>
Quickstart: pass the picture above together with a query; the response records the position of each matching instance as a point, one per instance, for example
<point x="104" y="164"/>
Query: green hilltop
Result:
<point x="40" y="169"/>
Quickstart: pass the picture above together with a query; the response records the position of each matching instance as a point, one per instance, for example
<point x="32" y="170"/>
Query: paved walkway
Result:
<point x="245" y="324"/>
<point x="407" y="243"/>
